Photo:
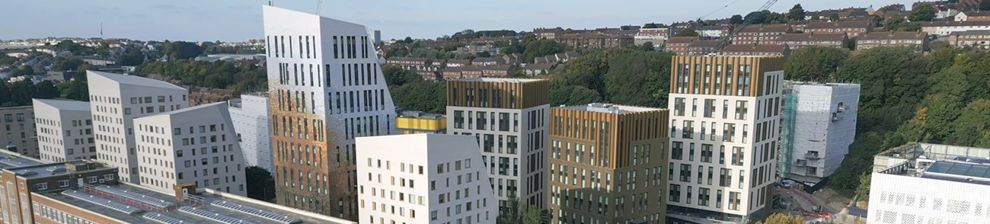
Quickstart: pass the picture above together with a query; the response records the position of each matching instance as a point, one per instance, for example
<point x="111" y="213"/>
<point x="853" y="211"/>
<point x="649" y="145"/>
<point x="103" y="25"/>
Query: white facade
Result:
<point x="65" y="130"/>
<point x="423" y="178"/>
<point x="510" y="149"/>
<point x="930" y="183"/>
<point x="250" y="117"/>
<point x="115" y="100"/>
<point x="819" y="125"/>
<point x="192" y="145"/>
<point x="723" y="152"/>
<point x="946" y="28"/>
<point x="325" y="73"/>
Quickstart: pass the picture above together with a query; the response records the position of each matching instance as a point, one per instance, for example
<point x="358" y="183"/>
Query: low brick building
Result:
<point x="917" y="40"/>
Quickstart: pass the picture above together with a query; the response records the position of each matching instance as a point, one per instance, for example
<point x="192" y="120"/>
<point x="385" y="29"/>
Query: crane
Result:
<point x="724" y="40"/>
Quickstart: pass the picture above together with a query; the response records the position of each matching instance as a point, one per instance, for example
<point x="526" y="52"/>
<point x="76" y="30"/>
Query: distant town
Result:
<point x="847" y="115"/>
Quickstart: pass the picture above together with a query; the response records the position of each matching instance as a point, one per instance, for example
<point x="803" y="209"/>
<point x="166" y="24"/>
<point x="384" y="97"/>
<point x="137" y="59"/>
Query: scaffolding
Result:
<point x="787" y="143"/>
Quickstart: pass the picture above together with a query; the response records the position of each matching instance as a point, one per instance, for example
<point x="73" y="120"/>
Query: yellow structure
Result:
<point x="417" y="122"/>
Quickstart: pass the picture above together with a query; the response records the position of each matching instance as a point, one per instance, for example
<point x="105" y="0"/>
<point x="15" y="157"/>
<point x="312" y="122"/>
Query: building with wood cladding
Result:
<point x="509" y="118"/>
<point x="724" y="128"/>
<point x="325" y="88"/>
<point x="608" y="164"/>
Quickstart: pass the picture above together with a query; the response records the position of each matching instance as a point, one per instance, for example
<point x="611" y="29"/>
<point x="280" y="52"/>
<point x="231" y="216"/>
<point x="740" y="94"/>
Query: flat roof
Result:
<point x="52" y="169"/>
<point x="959" y="171"/>
<point x="214" y="204"/>
<point x="65" y="104"/>
<point x="10" y="160"/>
<point x="610" y="108"/>
<point x="136" y="80"/>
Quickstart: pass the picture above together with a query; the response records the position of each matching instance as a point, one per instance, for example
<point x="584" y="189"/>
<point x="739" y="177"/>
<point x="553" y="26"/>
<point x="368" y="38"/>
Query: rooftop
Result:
<point x="135" y="204"/>
<point x="56" y="169"/>
<point x="943" y="162"/>
<point x="135" y="80"/>
<point x="10" y="160"/>
<point x="609" y="108"/>
<point x="420" y="114"/>
<point x="65" y="104"/>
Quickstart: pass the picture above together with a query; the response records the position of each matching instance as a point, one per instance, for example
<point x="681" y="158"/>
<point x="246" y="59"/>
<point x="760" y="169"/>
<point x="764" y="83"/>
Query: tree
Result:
<point x="396" y="76"/>
<point x="509" y="215"/>
<point x="21" y="93"/>
<point x="893" y="81"/>
<point x="68" y="63"/>
<point x="648" y="46"/>
<point x="796" y="13"/>
<point x="535" y="215"/>
<point x="863" y="191"/>
<point x="261" y="184"/>
<point x="538" y="48"/>
<point x="75" y="89"/>
<point x="985" y="5"/>
<point x="45" y="90"/>
<point x="132" y="56"/>
<point x="833" y="17"/>
<point x="182" y="50"/>
<point x="687" y="32"/>
<point x="24" y="70"/>
<point x="736" y="19"/>
<point x="924" y="12"/>
<point x="973" y="125"/>
<point x="778" y="218"/>
<point x="815" y="63"/>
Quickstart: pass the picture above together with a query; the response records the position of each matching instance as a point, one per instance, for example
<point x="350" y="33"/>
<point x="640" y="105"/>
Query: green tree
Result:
<point x="535" y="215"/>
<point x="68" y="64"/>
<point x="538" y="48"/>
<point x="815" y="63"/>
<point x="973" y="125"/>
<point x="833" y="17"/>
<point x="21" y="93"/>
<point x="688" y="32"/>
<point x="45" y="90"/>
<point x="182" y="49"/>
<point x="736" y="19"/>
<point x="132" y="56"/>
<point x="893" y="81"/>
<point x="863" y="191"/>
<point x="796" y="13"/>
<point x="24" y="70"/>
<point x="75" y="89"/>
<point x="420" y="95"/>
<point x="261" y="184"/>
<point x="396" y="76"/>
<point x="924" y="12"/>
<point x="648" y="46"/>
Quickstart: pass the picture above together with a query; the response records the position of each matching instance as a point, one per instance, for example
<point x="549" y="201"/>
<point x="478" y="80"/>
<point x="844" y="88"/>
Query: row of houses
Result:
<point x="783" y="44"/>
<point x="501" y="66"/>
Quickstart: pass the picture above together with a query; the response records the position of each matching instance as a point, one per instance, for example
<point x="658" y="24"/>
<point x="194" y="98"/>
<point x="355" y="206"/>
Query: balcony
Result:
<point x="812" y="155"/>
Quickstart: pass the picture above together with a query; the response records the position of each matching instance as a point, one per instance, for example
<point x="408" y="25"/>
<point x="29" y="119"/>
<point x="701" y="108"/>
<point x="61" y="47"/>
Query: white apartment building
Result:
<point x="725" y="117"/>
<point x="509" y="118"/>
<point x="17" y="132"/>
<point x="191" y="145"/>
<point x="819" y="125"/>
<point x="423" y="178"/>
<point x="250" y="117"/>
<point x="65" y="130"/>
<point x="115" y="100"/>
<point x="930" y="183"/>
<point x="325" y="87"/>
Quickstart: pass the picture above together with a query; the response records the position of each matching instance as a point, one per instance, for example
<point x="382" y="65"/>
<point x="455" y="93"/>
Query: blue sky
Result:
<point x="237" y="20"/>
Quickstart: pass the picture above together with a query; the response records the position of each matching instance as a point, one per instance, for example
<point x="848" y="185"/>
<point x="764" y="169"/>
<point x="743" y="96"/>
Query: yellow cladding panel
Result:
<point x="421" y="124"/>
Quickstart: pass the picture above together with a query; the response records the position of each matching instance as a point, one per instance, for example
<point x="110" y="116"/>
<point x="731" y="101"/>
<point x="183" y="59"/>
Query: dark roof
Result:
<point x="778" y="28"/>
<point x="977" y="13"/>
<point x="972" y="32"/>
<point x="839" y="24"/>
<point x="676" y="40"/>
<point x="813" y="37"/>
<point x="893" y="36"/>
<point x="954" y="23"/>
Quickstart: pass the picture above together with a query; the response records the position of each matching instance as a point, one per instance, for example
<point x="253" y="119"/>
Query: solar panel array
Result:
<point x="93" y="199"/>
<point x="163" y="219"/>
<point x="962" y="169"/>
<point x="255" y="211"/>
<point x="152" y="201"/>
<point x="207" y="214"/>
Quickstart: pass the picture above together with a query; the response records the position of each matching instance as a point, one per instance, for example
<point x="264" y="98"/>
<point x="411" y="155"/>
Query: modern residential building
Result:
<point x="944" y="28"/>
<point x="423" y="178"/>
<point x="250" y="116"/>
<point x="418" y="122"/>
<point x="21" y="182"/>
<point x="916" y="40"/>
<point x="326" y="88"/>
<point x="110" y="203"/>
<point x="977" y="39"/>
<point x="760" y="34"/>
<point x="930" y="183"/>
<point x="509" y="118"/>
<point x="725" y="122"/>
<point x="18" y="133"/>
<point x="115" y="100"/>
<point x="818" y="127"/>
<point x="64" y="130"/>
<point x="607" y="164"/>
<point x="194" y="145"/>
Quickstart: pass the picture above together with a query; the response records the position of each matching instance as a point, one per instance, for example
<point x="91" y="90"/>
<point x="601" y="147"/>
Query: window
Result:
<point x="41" y="186"/>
